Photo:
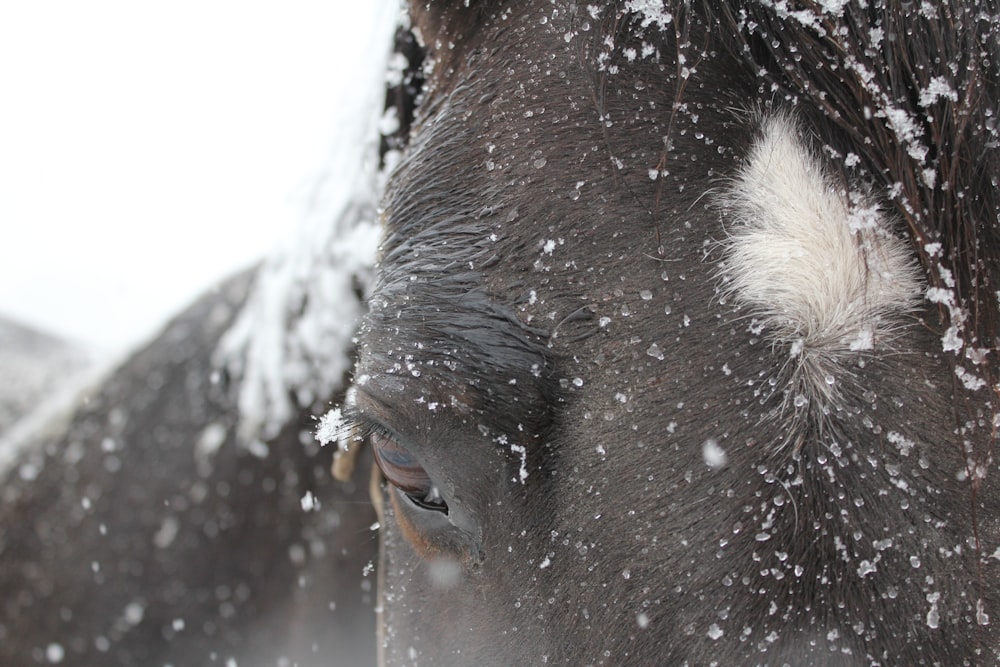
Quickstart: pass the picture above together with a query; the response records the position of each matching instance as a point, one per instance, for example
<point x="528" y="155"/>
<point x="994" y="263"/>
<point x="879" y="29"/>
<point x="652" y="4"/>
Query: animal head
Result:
<point x="683" y="343"/>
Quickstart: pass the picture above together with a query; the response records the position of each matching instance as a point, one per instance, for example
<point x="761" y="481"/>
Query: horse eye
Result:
<point x="403" y="471"/>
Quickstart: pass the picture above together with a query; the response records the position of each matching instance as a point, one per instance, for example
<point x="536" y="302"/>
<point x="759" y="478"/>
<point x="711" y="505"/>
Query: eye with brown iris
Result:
<point x="402" y="470"/>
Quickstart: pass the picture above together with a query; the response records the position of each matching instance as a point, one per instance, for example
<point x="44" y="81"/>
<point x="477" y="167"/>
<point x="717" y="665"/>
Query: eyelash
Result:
<point x="399" y="467"/>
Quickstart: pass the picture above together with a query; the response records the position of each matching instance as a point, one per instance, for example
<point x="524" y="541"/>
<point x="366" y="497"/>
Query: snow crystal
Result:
<point x="656" y="352"/>
<point x="904" y="444"/>
<point x="933" y="616"/>
<point x="864" y="340"/>
<point x="331" y="426"/>
<point x="833" y="7"/>
<point x="807" y="17"/>
<point x="947" y="276"/>
<point x="522" y="452"/>
<point x="972" y="382"/>
<point x="863" y="215"/>
<point x="652" y="11"/>
<point x="982" y="618"/>
<point x="907" y="131"/>
<point x="939" y="295"/>
<point x="937" y="88"/>
<point x="713" y="454"/>
<point x="642" y="620"/>
<point x="951" y="341"/>
<point x="714" y="632"/>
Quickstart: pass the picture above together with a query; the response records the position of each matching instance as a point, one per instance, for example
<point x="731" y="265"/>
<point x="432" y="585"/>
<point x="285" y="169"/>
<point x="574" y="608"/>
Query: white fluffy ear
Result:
<point x="816" y="266"/>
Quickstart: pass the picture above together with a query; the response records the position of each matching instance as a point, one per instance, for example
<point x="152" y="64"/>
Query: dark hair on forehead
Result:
<point x="911" y="87"/>
<point x="905" y="95"/>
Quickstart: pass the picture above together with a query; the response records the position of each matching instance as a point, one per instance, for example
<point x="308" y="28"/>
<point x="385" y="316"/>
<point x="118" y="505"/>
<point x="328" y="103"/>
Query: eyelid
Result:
<point x="431" y="525"/>
<point x="362" y="426"/>
<point x="399" y="466"/>
<point x="359" y="425"/>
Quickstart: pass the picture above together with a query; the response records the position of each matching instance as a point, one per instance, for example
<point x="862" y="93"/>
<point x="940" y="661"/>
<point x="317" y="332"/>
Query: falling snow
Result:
<point x="309" y="502"/>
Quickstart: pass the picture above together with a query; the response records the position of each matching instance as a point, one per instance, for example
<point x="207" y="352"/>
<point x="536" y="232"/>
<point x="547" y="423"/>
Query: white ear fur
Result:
<point x="817" y="267"/>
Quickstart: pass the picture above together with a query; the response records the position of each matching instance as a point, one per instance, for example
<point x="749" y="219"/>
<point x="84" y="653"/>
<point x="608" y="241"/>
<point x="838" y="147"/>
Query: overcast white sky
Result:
<point x="150" y="149"/>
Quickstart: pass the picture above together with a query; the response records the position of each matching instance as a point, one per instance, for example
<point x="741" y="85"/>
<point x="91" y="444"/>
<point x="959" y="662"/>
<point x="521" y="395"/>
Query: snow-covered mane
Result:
<point x="290" y="348"/>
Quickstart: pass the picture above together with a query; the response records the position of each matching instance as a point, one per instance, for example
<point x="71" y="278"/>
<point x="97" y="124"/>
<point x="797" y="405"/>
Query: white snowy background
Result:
<point x="148" y="150"/>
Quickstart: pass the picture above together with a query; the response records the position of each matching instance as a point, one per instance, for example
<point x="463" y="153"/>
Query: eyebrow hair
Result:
<point x="459" y="340"/>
